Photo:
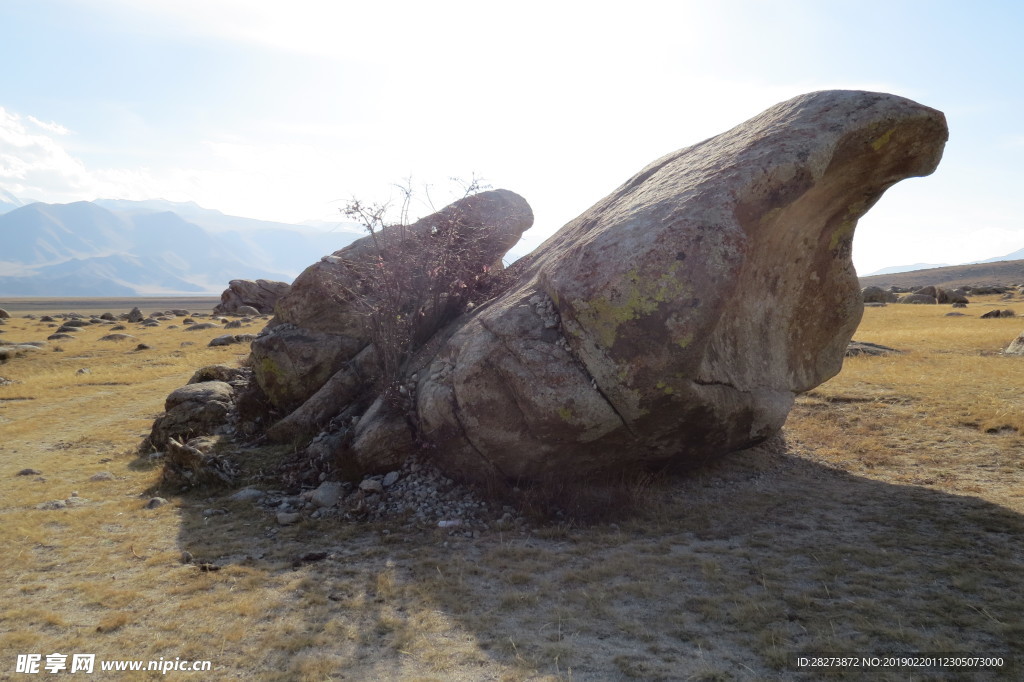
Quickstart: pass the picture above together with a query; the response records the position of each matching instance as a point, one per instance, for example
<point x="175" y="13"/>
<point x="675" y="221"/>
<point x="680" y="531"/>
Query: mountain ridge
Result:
<point x="121" y="248"/>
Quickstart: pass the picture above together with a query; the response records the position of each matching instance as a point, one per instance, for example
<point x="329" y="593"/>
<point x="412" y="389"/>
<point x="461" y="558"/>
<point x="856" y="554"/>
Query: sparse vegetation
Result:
<point x="891" y="521"/>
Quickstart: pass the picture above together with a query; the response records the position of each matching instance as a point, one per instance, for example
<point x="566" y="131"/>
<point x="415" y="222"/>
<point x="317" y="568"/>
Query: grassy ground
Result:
<point x="890" y="521"/>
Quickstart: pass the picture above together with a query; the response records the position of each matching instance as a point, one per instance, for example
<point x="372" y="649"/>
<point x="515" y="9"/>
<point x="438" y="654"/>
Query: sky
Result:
<point x="284" y="110"/>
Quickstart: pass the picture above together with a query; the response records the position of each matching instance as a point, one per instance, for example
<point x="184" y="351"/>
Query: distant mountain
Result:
<point x="9" y="202"/>
<point x="1016" y="255"/>
<point x="112" y="248"/>
<point x="1002" y="272"/>
<point x="892" y="270"/>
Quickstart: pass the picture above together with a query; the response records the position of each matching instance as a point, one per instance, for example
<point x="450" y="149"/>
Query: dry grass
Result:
<point x="892" y="522"/>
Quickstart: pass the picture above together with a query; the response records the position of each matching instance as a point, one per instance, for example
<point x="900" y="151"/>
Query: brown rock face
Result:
<point x="679" y="317"/>
<point x="260" y="294"/>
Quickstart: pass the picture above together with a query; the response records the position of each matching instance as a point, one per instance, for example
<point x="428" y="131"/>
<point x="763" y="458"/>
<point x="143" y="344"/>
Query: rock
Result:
<point x="142" y="347"/>
<point x="155" y="502"/>
<point x="202" y="325"/>
<point x="856" y="348"/>
<point x="108" y="316"/>
<point x="117" y="337"/>
<point x="327" y="494"/>
<point x="288" y="518"/>
<point x="15" y="351"/>
<point x="195" y="409"/>
<point x="877" y="295"/>
<point x="371" y="485"/>
<point x="954" y="315"/>
<point x="992" y="314"/>
<point x="218" y="373"/>
<point x="60" y="337"/>
<point x="918" y="299"/>
<point x="230" y="339"/>
<point x="233" y="324"/>
<point x="52" y="505"/>
<point x="695" y="301"/>
<point x="248" y="495"/>
<point x="188" y="466"/>
<point x="102" y="476"/>
<point x="4" y="314"/>
<point x="258" y="296"/>
<point x="960" y="304"/>
<point x="135" y="315"/>
<point x="390" y="479"/>
<point x="30" y="472"/>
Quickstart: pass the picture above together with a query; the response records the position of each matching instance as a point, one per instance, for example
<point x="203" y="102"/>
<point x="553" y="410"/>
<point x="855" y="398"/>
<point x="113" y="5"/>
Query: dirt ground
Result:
<point x="889" y="522"/>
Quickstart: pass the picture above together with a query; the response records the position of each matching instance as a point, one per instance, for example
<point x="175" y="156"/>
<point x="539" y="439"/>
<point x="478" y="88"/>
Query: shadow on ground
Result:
<point x="730" y="572"/>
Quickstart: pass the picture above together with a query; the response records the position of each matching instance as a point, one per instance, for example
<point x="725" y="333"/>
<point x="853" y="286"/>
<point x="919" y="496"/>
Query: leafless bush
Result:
<point x="416" y="277"/>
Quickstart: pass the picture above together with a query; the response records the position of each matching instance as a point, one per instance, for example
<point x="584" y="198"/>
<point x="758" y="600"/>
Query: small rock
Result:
<point x="327" y="494"/>
<point x="186" y="557"/>
<point x="391" y="479"/>
<point x="102" y="476"/>
<point x="29" y="472"/>
<point x="371" y="485"/>
<point x="288" y="518"/>
<point x="52" y="504"/>
<point x="156" y="502"/>
<point x="248" y="495"/>
<point x="214" y="512"/>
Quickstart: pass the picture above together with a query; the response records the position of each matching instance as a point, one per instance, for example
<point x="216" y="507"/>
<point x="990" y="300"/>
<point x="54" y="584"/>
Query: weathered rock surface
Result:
<point x="260" y="296"/>
<point x="695" y="301"/>
<point x="877" y="295"/>
<point x="317" y="330"/>
<point x="1016" y="346"/>
<point x="674" y="321"/>
<point x="193" y="410"/>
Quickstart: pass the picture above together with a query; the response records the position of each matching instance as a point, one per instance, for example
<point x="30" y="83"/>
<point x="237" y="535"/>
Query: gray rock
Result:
<point x="391" y="478"/>
<point x="135" y="315"/>
<point x="327" y="494"/>
<point x="371" y="485"/>
<point x="288" y="518"/>
<point x="192" y="410"/>
<point x="102" y="476"/>
<point x="155" y="502"/>
<point x="248" y="495"/>
<point x="30" y="472"/>
<point x="247" y="297"/>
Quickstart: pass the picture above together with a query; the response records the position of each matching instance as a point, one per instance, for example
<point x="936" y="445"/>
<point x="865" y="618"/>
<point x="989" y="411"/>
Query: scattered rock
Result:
<point x="371" y="485"/>
<point x="30" y="472"/>
<point x="202" y="325"/>
<point x="187" y="466"/>
<point x="1016" y="346"/>
<point x="117" y="337"/>
<point x="192" y="410"/>
<point x="918" y="298"/>
<point x="256" y="297"/>
<point x="327" y="494"/>
<point x="248" y="495"/>
<point x="288" y="518"/>
<point x="992" y="314"/>
<point x="155" y="502"/>
<point x="135" y="315"/>
<point x="102" y="476"/>
<point x="877" y="295"/>
<point x="856" y="348"/>
<point x="142" y="346"/>
<point x="229" y="339"/>
<point x="390" y="479"/>
<point x="4" y="314"/>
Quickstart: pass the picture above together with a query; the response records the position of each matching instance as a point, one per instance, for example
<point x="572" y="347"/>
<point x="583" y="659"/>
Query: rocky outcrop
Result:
<point x="320" y="326"/>
<point x="193" y="410"/>
<point x="260" y="295"/>
<point x="1016" y="346"/>
<point x="694" y="302"/>
<point x="674" y="321"/>
<point x="877" y="295"/>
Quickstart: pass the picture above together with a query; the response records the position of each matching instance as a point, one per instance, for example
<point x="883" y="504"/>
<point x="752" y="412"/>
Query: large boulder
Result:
<point x="260" y="295"/>
<point x="678" y="317"/>
<point x="875" y="294"/>
<point x="321" y="325"/>
<point x="193" y="410"/>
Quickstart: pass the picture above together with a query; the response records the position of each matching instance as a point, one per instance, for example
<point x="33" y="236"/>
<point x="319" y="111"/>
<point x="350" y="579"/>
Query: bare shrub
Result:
<point x="417" y="278"/>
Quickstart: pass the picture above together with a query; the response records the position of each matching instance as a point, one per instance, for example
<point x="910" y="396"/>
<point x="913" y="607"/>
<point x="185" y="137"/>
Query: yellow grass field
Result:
<point x="890" y="522"/>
